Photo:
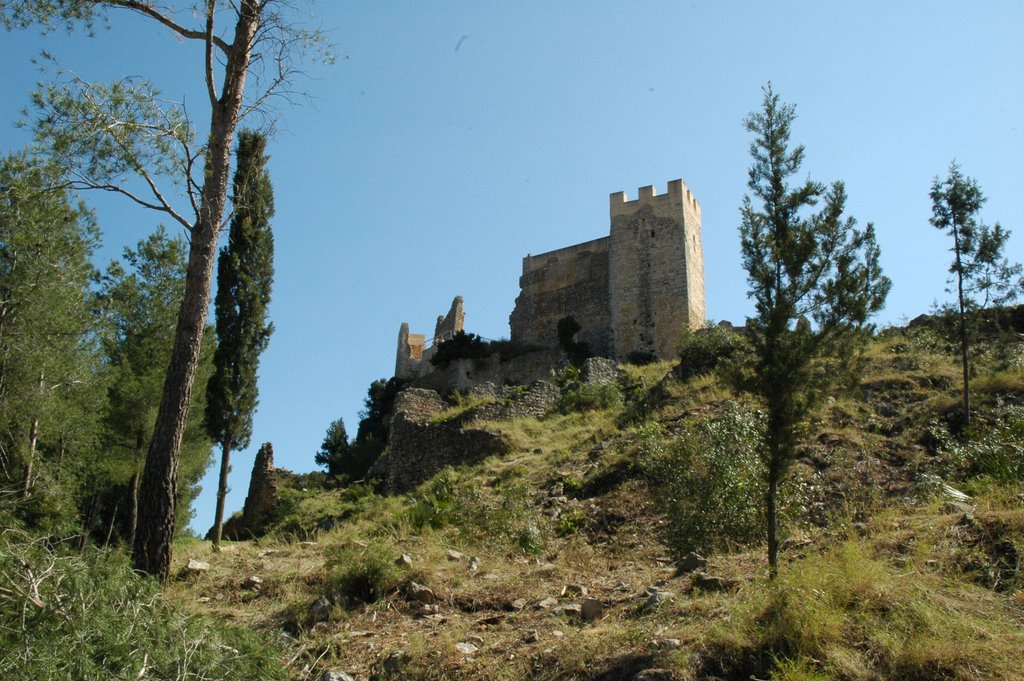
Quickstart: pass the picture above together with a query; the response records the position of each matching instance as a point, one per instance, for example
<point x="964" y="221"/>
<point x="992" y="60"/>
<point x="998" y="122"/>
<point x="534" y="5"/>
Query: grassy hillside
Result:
<point x="568" y="558"/>
<point x="561" y="560"/>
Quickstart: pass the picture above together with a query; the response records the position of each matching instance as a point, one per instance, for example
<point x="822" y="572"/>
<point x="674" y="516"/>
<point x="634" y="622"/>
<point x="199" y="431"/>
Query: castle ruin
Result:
<point x="632" y="292"/>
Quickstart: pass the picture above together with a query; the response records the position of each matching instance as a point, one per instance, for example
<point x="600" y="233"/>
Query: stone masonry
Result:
<point x="259" y="503"/>
<point x="413" y="357"/>
<point x="632" y="291"/>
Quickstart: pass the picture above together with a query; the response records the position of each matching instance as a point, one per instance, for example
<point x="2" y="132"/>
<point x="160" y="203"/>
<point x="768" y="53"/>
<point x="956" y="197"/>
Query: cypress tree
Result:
<point x="245" y="272"/>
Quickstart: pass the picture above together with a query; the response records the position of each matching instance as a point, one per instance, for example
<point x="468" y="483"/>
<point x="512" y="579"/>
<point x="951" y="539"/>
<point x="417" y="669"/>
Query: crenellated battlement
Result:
<point x="677" y="195"/>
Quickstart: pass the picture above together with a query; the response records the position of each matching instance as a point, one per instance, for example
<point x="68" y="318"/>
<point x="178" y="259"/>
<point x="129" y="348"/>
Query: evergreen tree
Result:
<point x="48" y="363"/>
<point x="334" y="451"/>
<point x="139" y="299"/>
<point x="983" y="276"/>
<point x="245" y="273"/>
<point x="815" y="281"/>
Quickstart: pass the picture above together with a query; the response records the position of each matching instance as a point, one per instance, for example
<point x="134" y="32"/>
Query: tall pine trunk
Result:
<point x="133" y="507"/>
<point x="157" y="495"/>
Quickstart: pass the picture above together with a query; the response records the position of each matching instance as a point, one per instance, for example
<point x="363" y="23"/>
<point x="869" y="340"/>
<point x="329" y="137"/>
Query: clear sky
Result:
<point x="451" y="139"/>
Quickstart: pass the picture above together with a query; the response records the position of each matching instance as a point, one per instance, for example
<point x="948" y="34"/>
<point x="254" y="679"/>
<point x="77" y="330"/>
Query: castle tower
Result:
<point x="656" y="270"/>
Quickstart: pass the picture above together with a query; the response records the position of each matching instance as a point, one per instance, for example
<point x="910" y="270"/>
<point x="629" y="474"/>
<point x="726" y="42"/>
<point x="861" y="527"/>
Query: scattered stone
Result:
<point x="654" y="675"/>
<point x="395" y="661"/>
<point x="454" y="556"/>
<point x="466" y="648"/>
<point x="252" y="583"/>
<point x="404" y="560"/>
<point x="691" y="562"/>
<point x="575" y="590"/>
<point x="336" y="676"/>
<point x="572" y="609"/>
<point x="267" y="553"/>
<point x="308" y="544"/>
<point x="954" y="494"/>
<point x="478" y="640"/>
<point x="591" y="609"/>
<point x="419" y="592"/>
<point x="622" y="587"/>
<point x="966" y="520"/>
<point x="427" y="610"/>
<point x="655" y="599"/>
<point x="196" y="567"/>
<point x="474" y="564"/>
<point x="223" y="548"/>
<point x="706" y="582"/>
<point x="546" y="567"/>
<point x="547" y="603"/>
<point x="203" y="599"/>
<point x="670" y="644"/>
<point x="517" y="604"/>
<point x="557" y="633"/>
<point x="490" y="620"/>
<point x="531" y="636"/>
<point x="319" y="610"/>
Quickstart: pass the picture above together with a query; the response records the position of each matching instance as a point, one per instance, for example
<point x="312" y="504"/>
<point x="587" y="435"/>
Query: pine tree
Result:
<point x="815" y="280"/>
<point x="245" y="273"/>
<point x="334" y="452"/>
<point x="981" y="274"/>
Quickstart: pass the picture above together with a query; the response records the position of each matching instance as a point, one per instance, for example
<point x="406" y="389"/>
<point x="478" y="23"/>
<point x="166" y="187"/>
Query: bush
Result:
<point x="708" y="480"/>
<point x="700" y="352"/>
<point x="87" y="615"/>
<point x="590" y="396"/>
<point x="460" y="346"/>
<point x="994" y="450"/>
<point x="364" y="574"/>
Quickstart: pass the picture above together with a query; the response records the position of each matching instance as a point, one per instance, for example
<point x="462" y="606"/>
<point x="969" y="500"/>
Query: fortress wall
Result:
<point x="655" y="244"/>
<point x="570" y="281"/>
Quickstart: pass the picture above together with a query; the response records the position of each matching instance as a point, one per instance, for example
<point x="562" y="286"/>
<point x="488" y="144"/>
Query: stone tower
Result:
<point x="656" y="270"/>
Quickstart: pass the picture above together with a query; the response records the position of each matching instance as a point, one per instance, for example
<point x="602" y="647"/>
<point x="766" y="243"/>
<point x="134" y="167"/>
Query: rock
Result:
<point x="308" y="544"/>
<point x="466" y="648"/>
<point x="478" y="640"/>
<point x="517" y="604"/>
<point x="572" y="609"/>
<point x="957" y="507"/>
<point x="404" y="560"/>
<point x="954" y="494"/>
<point x="691" y="562"/>
<point x="395" y="661"/>
<point x="575" y="590"/>
<point x="196" y="567"/>
<point x="547" y="603"/>
<point x="454" y="556"/>
<point x="654" y="675"/>
<point x="427" y="610"/>
<point x="252" y="583"/>
<point x="419" y="592"/>
<point x="706" y="582"/>
<point x="557" y="633"/>
<point x="531" y="636"/>
<point x="670" y="644"/>
<point x="655" y="599"/>
<point x="336" y="676"/>
<point x="319" y="610"/>
<point x="591" y="609"/>
<point x="203" y="599"/>
<point x="474" y="564"/>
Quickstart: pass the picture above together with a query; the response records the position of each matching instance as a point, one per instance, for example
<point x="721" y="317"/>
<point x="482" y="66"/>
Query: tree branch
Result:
<point x="148" y="10"/>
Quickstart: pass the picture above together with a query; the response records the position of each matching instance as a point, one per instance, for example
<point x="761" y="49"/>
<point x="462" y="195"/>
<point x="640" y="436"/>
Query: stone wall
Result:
<point x="572" y="282"/>
<point x="413" y="356"/>
<point x="259" y="503"/>
<point x="418" y="449"/>
<point x="463" y="374"/>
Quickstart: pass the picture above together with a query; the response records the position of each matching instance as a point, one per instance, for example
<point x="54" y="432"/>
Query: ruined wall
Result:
<point x="656" y="270"/>
<point x="259" y="503"/>
<point x="572" y="282"/>
<point x="412" y="359"/>
<point x="418" y="449"/>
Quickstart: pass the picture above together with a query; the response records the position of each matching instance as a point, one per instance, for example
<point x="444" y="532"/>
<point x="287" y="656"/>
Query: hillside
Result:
<point x="569" y="557"/>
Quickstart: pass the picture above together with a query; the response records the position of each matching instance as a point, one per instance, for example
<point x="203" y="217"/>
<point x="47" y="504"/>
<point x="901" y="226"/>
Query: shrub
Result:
<point x="708" y="480"/>
<point x="364" y="574"/>
<point x="88" y="615"/>
<point x="590" y="396"/>
<point x="994" y="450"/>
<point x="460" y="346"/>
<point x="700" y="352"/>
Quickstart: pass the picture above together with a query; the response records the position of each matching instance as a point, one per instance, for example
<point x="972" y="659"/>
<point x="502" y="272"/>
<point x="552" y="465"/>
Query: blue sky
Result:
<point x="450" y="139"/>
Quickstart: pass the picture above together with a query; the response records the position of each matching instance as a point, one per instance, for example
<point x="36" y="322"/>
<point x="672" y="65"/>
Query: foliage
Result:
<point x="577" y="351"/>
<point x="700" y="352"/>
<point x="50" y="383"/>
<point x="364" y="574"/>
<point x="815" y="280"/>
<point x="993" y="450"/>
<point x="334" y="451"/>
<point x="86" y="615"/>
<point x="589" y="397"/>
<point x="709" y="480"/>
<point x="979" y="275"/>
<point x="462" y="345"/>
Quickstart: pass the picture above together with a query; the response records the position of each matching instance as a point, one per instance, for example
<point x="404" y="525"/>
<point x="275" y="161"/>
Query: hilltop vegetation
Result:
<point x="567" y="559"/>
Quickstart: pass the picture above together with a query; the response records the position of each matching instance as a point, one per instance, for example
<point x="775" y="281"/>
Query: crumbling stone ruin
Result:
<point x="632" y="292"/>
<point x="259" y="503"/>
<point x="413" y="359"/>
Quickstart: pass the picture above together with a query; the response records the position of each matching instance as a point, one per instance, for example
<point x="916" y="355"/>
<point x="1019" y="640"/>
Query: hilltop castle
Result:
<point x="632" y="292"/>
